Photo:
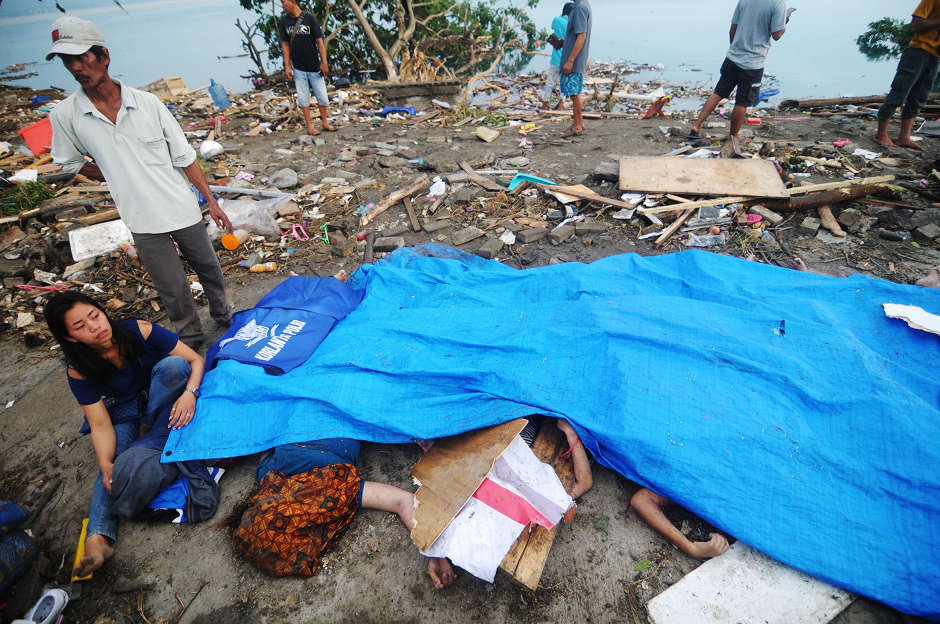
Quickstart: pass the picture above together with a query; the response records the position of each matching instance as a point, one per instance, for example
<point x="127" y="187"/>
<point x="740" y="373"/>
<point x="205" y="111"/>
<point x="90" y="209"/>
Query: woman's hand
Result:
<point x="183" y="410"/>
<point x="106" y="470"/>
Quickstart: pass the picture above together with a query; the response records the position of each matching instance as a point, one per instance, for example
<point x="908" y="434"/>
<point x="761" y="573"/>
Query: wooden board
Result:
<point x="701" y="176"/>
<point x="745" y="585"/>
<point x="525" y="561"/>
<point x="451" y="472"/>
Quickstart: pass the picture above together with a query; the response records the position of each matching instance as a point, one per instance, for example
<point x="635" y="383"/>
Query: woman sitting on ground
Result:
<point x="122" y="374"/>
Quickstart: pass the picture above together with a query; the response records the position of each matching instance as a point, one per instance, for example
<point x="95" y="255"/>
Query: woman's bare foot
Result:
<point x="932" y="280"/>
<point x="797" y="264"/>
<point x="341" y="276"/>
<point x="441" y="572"/>
<point x="97" y="551"/>
<point x="312" y="131"/>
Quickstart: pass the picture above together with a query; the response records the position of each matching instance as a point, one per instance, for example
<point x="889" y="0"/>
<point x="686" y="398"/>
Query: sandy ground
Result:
<point x="376" y="574"/>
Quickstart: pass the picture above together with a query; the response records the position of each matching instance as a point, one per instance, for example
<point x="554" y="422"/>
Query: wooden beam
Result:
<point x="706" y="202"/>
<point x="812" y="188"/>
<point x="479" y="180"/>
<point x="98" y="217"/>
<point x="590" y="196"/>
<point x="411" y="215"/>
<point x="819" y="103"/>
<point x="393" y="198"/>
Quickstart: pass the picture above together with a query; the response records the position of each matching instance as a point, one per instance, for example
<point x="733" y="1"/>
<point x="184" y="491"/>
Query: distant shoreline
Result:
<point x="130" y="8"/>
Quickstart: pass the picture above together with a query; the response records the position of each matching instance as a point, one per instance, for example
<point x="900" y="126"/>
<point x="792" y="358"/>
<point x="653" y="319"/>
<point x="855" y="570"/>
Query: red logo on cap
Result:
<point x="55" y="36"/>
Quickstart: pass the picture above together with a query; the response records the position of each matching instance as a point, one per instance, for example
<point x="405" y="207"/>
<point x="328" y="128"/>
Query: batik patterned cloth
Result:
<point x="292" y="521"/>
<point x="571" y="84"/>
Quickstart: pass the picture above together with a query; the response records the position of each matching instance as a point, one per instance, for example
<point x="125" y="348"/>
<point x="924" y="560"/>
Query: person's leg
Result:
<point x="318" y="83"/>
<point x="578" y="124"/>
<point x="102" y="523"/>
<point x="196" y="247"/>
<point x="726" y="83"/>
<point x="917" y="97"/>
<point x="649" y="506"/>
<point x="738" y="115"/>
<point x="302" y="84"/>
<point x="909" y="70"/>
<point x="161" y="260"/>
<point x="167" y="383"/>
<point x="931" y="280"/>
<point x="748" y="93"/>
<point x="571" y="86"/>
<point x="551" y="79"/>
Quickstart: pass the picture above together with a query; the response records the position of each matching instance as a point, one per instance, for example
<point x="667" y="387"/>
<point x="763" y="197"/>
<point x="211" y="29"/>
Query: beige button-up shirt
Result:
<point x="141" y="157"/>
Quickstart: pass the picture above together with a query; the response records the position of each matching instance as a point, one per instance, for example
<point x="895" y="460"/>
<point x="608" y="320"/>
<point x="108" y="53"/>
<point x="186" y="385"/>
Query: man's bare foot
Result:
<point x="751" y="258"/>
<point x="908" y="143"/>
<point x="797" y="264"/>
<point x="341" y="276"/>
<point x="884" y="139"/>
<point x="97" y="551"/>
<point x="312" y="131"/>
<point x="932" y="280"/>
<point x="441" y="572"/>
<point x="326" y="126"/>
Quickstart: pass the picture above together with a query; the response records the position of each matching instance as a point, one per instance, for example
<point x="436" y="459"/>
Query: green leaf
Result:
<point x="603" y="524"/>
<point x="642" y="565"/>
<point x="915" y="244"/>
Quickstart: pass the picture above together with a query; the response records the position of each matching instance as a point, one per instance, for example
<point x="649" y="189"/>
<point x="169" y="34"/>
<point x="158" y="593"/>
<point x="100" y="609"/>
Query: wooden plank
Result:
<point x="394" y="197"/>
<point x="680" y="151"/>
<point x="573" y="191"/>
<point x="98" y="217"/>
<point x="479" y="180"/>
<point x="705" y="202"/>
<point x="526" y="559"/>
<point x="451" y="472"/>
<point x="745" y="585"/>
<point x="812" y="188"/>
<point x="675" y="226"/>
<point x="823" y="102"/>
<point x="701" y="176"/>
<point x="411" y="215"/>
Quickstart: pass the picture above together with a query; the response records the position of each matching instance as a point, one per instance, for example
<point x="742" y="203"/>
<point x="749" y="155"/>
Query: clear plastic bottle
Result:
<point x="129" y="249"/>
<point x="263" y="267"/>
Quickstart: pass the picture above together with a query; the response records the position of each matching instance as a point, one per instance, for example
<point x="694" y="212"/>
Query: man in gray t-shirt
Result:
<point x="574" y="59"/>
<point x="753" y="25"/>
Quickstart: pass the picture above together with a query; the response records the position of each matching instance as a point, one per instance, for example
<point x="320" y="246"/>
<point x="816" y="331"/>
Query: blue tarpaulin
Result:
<point x="783" y="407"/>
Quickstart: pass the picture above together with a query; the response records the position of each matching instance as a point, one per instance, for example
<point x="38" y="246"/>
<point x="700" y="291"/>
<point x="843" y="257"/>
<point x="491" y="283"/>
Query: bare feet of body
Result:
<point x="97" y="551"/>
<point x="797" y="264"/>
<point x="341" y="276"/>
<point x="441" y="572"/>
<point x="932" y="280"/>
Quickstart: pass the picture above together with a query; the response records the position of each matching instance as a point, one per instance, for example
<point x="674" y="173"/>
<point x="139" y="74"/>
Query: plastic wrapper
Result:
<point x="256" y="217"/>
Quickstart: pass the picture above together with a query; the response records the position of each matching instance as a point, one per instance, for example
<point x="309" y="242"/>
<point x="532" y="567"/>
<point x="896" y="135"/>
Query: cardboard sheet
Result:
<point x="701" y="176"/>
<point x="916" y="317"/>
<point x="745" y="585"/>
<point x="451" y="472"/>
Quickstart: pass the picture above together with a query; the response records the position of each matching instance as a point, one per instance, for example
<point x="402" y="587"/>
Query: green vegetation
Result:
<point x="23" y="197"/>
<point x="884" y="39"/>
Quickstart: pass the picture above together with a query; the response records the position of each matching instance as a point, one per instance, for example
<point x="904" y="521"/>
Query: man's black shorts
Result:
<point x="746" y="80"/>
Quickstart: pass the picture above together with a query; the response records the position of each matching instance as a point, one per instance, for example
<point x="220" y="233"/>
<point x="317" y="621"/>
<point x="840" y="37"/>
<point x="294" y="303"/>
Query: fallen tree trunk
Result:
<point x="819" y="103"/>
<point x="814" y="201"/>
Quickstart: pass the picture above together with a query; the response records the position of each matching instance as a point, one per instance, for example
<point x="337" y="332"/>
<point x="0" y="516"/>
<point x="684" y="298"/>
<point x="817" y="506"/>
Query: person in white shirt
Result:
<point x="140" y="150"/>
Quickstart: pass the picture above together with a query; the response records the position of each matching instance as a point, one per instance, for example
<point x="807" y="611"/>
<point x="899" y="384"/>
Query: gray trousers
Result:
<point x="159" y="256"/>
<point x="912" y="84"/>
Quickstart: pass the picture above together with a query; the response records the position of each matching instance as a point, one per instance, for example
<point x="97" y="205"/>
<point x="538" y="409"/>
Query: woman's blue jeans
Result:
<point x="167" y="383"/>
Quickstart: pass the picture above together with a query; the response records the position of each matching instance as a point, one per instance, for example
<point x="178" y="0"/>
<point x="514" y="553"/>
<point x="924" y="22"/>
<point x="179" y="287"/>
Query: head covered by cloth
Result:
<point x="73" y="36"/>
<point x="292" y="521"/>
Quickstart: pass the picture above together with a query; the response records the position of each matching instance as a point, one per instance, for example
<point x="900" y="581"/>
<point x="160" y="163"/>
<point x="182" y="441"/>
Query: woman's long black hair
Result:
<point x="85" y="360"/>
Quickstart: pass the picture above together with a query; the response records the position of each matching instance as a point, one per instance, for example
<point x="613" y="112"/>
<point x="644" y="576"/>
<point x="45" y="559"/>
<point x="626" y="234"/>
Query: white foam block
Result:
<point x="98" y="239"/>
<point x="745" y="585"/>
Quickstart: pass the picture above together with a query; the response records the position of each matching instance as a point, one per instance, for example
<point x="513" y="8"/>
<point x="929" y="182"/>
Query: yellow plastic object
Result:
<point x="80" y="552"/>
<point x="234" y="240"/>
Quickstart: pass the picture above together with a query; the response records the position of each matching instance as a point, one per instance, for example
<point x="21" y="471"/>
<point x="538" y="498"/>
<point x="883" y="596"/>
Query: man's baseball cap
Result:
<point x="73" y="35"/>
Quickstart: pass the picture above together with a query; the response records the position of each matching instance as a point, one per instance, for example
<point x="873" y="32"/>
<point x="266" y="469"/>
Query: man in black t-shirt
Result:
<point x="305" y="60"/>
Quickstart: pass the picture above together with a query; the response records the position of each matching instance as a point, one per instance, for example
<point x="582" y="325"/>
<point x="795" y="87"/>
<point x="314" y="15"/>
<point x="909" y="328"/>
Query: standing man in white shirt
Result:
<point x="141" y="152"/>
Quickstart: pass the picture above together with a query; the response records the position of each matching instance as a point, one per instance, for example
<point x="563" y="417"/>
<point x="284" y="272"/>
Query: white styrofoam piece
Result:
<point x="914" y="316"/>
<point x="479" y="536"/>
<point x="98" y="239"/>
<point x="745" y="585"/>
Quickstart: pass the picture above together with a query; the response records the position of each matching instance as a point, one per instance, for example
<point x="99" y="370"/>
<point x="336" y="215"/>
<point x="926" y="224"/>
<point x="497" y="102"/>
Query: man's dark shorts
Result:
<point x="746" y="80"/>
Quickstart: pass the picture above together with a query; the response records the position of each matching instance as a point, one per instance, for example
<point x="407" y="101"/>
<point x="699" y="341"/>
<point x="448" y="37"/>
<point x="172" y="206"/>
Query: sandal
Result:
<point x="570" y="132"/>
<point x="693" y="136"/>
<point x="328" y="128"/>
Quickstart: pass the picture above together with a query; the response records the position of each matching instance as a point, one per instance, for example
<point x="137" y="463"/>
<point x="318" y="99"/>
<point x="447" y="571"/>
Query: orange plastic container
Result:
<point x="38" y="136"/>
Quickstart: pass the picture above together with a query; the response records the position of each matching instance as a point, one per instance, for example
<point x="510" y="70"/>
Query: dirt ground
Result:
<point x="376" y="574"/>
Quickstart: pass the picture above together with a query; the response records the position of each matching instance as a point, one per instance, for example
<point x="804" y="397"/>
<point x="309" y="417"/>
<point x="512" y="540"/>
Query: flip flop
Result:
<point x="328" y="129"/>
<point x="570" y="132"/>
<point x="694" y="136"/>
